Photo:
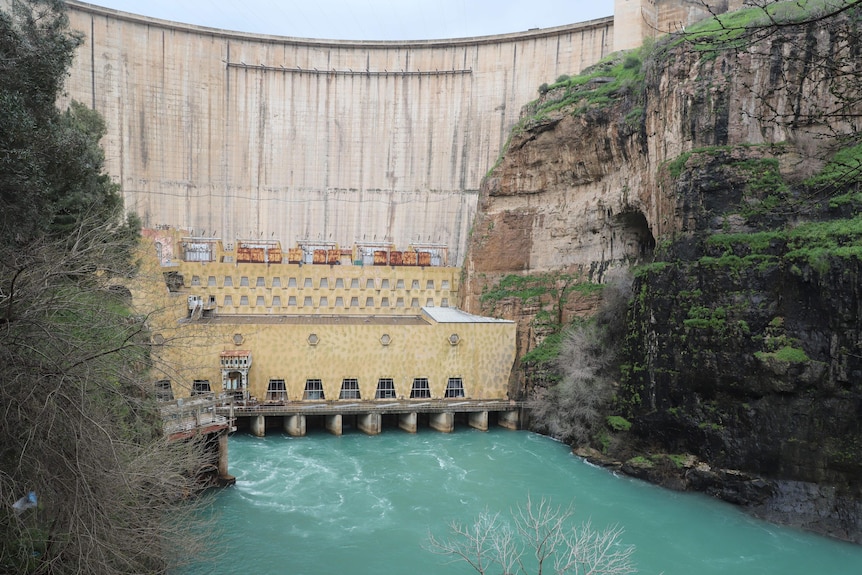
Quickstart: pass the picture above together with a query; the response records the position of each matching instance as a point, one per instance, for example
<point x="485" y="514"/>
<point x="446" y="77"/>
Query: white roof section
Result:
<point x="455" y="315"/>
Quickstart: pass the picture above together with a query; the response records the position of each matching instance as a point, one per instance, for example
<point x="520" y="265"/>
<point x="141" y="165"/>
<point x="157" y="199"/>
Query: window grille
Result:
<point x="164" y="391"/>
<point x="420" y="388"/>
<point x="276" y="390"/>
<point x="385" y="388"/>
<point x="200" y="386"/>
<point x="454" y="388"/>
<point x="313" y="389"/>
<point x="349" y="389"/>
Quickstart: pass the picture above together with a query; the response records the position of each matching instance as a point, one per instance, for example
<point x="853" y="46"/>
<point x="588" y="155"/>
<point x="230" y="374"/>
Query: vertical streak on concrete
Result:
<point x="508" y="419"/>
<point x="294" y="425"/>
<point x="93" y="61"/>
<point x="227" y="215"/>
<point x="478" y="420"/>
<point x="443" y="421"/>
<point x="369" y="423"/>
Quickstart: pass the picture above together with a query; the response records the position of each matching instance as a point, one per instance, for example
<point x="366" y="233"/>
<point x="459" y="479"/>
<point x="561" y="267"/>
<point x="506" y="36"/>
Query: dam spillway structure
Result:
<point x="248" y="135"/>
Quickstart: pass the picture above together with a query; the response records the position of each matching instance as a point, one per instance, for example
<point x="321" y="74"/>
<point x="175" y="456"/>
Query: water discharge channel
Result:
<point x="359" y="504"/>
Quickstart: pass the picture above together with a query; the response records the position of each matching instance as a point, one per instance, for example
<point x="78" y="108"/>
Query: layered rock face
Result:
<point x="745" y="349"/>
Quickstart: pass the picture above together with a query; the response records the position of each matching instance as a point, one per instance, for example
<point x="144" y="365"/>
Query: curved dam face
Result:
<point x="246" y="136"/>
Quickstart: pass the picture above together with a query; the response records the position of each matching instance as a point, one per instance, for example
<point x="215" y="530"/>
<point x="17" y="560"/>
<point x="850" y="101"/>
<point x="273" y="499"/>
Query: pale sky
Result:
<point x="370" y="19"/>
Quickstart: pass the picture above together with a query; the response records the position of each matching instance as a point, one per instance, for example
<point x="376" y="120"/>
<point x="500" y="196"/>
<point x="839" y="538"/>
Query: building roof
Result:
<point x="455" y="315"/>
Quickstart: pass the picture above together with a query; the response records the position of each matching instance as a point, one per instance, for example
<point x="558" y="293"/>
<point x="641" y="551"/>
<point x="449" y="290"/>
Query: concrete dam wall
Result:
<point x="246" y="136"/>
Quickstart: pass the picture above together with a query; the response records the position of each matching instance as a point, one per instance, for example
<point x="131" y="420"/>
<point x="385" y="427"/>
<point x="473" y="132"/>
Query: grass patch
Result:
<point x="618" y="423"/>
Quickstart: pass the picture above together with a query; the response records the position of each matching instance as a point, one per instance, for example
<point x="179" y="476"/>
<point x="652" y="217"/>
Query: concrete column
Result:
<point x="444" y="421"/>
<point x="224" y="477"/>
<point x="258" y="425"/>
<point x="407" y="422"/>
<point x="369" y="423"/>
<point x="478" y="420"/>
<point x="508" y="419"/>
<point x="294" y="425"/>
<point x="333" y="424"/>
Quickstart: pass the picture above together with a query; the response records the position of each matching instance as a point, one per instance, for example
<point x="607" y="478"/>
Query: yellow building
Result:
<point x="235" y="320"/>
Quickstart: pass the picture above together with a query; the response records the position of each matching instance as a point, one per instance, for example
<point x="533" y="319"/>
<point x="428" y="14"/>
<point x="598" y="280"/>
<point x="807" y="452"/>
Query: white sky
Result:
<point x="370" y="19"/>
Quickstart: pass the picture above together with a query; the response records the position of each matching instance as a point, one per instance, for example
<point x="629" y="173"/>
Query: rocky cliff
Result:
<point x="722" y="166"/>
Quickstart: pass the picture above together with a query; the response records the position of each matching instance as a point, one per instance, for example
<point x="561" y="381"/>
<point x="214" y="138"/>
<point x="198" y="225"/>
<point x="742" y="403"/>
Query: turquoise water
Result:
<point x="359" y="504"/>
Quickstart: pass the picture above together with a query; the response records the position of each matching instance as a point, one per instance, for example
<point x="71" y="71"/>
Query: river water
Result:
<point x="357" y="505"/>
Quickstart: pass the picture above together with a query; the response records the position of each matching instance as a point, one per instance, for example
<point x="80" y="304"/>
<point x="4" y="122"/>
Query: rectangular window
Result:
<point x="291" y="282"/>
<point x="261" y="282"/>
<point x="308" y="283"/>
<point x="163" y="390"/>
<point x="228" y="281"/>
<point x="415" y="284"/>
<point x="196" y="280"/>
<point x="445" y="284"/>
<point x="429" y="284"/>
<point x="385" y="388"/>
<point x="276" y="281"/>
<point x="384" y="284"/>
<point x="339" y="301"/>
<point x="324" y="283"/>
<point x="228" y="300"/>
<point x="243" y="281"/>
<point x="324" y="302"/>
<point x="201" y="386"/>
<point x="399" y="284"/>
<point x="420" y="389"/>
<point x="276" y="301"/>
<point x="339" y="283"/>
<point x="211" y="281"/>
<point x="313" y="389"/>
<point x="260" y="301"/>
<point x="354" y="283"/>
<point x="243" y="300"/>
<point x="399" y="302"/>
<point x="349" y="389"/>
<point x="276" y="390"/>
<point x="414" y="302"/>
<point x="454" y="388"/>
<point x="369" y="283"/>
<point x="369" y="302"/>
<point x="354" y="302"/>
<point x="306" y="302"/>
<point x="291" y="301"/>
<point x="384" y="302"/>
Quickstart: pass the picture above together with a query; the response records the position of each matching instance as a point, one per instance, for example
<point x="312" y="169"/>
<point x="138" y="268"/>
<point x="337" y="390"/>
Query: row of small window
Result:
<point x="370" y="283"/>
<point x="308" y="301"/>
<point x="277" y="390"/>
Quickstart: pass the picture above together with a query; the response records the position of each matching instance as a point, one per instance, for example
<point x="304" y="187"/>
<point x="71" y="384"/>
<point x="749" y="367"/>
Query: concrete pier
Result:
<point x="478" y="420"/>
<point x="294" y="425"/>
<point x="257" y="424"/>
<point x="370" y="423"/>
<point x="509" y="419"/>
<point x="334" y="424"/>
<point x="444" y="422"/>
<point x="407" y="422"/>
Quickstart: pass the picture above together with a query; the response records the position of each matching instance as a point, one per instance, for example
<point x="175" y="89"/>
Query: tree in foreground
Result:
<point x="539" y="539"/>
<point x="88" y="483"/>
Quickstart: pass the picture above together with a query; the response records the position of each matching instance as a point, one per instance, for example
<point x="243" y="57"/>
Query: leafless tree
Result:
<point x="78" y="422"/>
<point x="540" y="539"/>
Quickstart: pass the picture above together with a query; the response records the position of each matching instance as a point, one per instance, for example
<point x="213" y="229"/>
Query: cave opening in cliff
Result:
<point x="639" y="239"/>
